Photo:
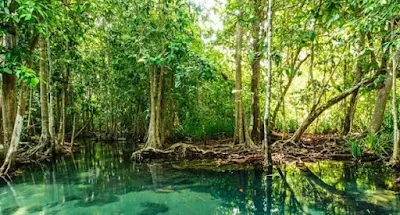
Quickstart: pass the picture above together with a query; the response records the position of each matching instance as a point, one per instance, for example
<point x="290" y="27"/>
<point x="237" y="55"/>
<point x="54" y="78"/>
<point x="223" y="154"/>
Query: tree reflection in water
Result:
<point x="102" y="179"/>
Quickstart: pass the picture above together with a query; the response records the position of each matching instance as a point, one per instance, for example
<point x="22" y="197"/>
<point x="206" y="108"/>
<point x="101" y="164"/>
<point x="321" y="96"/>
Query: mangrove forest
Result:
<point x="153" y="107"/>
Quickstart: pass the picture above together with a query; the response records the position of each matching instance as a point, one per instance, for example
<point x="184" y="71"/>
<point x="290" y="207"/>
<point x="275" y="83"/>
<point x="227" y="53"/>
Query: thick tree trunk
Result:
<point x="8" y="104"/>
<point x="348" y="121"/>
<point x="382" y="95"/>
<point x="317" y="111"/>
<point x="255" y="121"/>
<point x="153" y="137"/>
<point x="8" y="89"/>
<point x="18" y="125"/>
<point x="19" y="121"/>
<point x="267" y="143"/>
<point x="44" y="110"/>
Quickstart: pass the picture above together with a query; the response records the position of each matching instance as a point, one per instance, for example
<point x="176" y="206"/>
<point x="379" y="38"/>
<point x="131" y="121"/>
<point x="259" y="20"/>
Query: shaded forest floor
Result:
<point x="311" y="148"/>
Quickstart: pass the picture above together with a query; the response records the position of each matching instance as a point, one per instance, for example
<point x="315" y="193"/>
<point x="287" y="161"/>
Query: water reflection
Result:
<point x="102" y="180"/>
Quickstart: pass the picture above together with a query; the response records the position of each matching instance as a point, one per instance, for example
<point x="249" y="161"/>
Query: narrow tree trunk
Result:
<point x="44" y="110"/>
<point x="2" y="59"/>
<point x="1" y="124"/>
<point x="317" y="111"/>
<point x="52" y="129"/>
<point x="61" y="128"/>
<point x="239" y="132"/>
<point x="267" y="143"/>
<point x="348" y="121"/>
<point x="73" y="130"/>
<point x="287" y="86"/>
<point x="159" y="121"/>
<point x="30" y="113"/>
<point x="396" y="131"/>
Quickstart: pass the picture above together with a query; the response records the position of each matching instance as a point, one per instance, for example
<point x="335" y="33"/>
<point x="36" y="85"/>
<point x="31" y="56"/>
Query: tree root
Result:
<point x="34" y="153"/>
<point x="283" y="151"/>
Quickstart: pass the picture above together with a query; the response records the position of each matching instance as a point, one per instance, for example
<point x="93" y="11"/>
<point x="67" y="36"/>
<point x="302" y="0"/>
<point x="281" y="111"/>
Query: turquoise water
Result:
<point x="101" y="180"/>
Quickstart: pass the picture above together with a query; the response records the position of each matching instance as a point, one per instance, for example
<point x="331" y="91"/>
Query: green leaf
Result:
<point x="7" y="70"/>
<point x="34" y="82"/>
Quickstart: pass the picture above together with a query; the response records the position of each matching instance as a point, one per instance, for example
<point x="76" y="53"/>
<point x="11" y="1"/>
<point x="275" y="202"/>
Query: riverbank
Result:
<point x="311" y="148"/>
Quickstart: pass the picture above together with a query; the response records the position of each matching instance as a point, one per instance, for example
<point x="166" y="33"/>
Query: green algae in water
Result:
<point x="94" y="182"/>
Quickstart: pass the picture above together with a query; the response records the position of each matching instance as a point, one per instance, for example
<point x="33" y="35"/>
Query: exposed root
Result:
<point x="36" y="153"/>
<point x="283" y="151"/>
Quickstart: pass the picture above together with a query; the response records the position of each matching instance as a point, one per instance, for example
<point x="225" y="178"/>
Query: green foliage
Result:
<point x="102" y="54"/>
<point x="379" y="145"/>
<point x="290" y="127"/>
<point x="357" y="148"/>
<point x="27" y="75"/>
<point x="208" y="128"/>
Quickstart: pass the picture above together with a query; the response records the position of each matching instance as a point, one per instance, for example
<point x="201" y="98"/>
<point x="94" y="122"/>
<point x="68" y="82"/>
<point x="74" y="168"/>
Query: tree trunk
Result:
<point x="317" y="111"/>
<point x="19" y="121"/>
<point x="159" y="102"/>
<point x="153" y="138"/>
<point x="241" y="135"/>
<point x="73" y="129"/>
<point x="17" y="130"/>
<point x="396" y="132"/>
<point x="1" y="124"/>
<point x="239" y="131"/>
<point x="382" y="95"/>
<point x="8" y="104"/>
<point x="8" y="90"/>
<point x="30" y="133"/>
<point x="255" y="121"/>
<point x="44" y="110"/>
<point x="62" y="115"/>
<point x="52" y="128"/>
<point x="267" y="143"/>
<point x="348" y="121"/>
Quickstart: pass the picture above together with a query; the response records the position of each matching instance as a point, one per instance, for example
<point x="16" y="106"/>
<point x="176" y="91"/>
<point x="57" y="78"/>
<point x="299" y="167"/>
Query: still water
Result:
<point x="101" y="180"/>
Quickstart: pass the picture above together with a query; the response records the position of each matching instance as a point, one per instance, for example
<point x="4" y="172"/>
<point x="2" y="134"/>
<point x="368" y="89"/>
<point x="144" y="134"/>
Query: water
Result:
<point x="102" y="180"/>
